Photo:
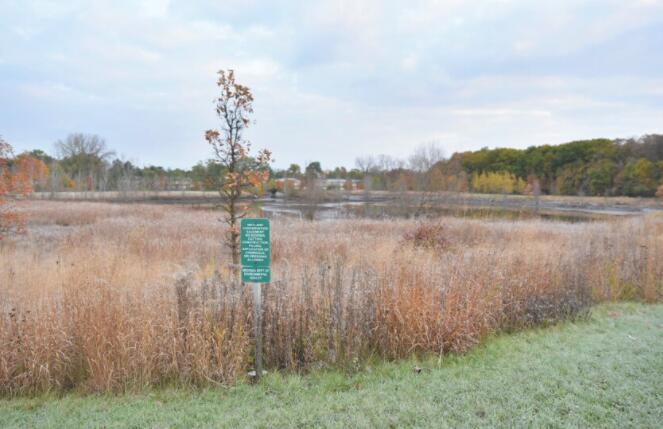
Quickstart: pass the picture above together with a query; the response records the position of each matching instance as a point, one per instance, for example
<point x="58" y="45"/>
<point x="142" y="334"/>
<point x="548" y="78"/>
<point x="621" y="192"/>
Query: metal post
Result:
<point x="257" y="321"/>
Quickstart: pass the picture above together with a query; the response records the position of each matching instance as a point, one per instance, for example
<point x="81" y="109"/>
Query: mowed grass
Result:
<point x="604" y="372"/>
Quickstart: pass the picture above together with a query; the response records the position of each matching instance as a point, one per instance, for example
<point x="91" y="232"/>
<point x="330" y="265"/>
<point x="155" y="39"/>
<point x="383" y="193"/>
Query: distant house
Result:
<point x="180" y="184"/>
<point x="340" y="184"/>
<point x="295" y="184"/>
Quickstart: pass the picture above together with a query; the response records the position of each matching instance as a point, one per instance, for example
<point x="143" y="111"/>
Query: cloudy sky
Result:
<point x="333" y="80"/>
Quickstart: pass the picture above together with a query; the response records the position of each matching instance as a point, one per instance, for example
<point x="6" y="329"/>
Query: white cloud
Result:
<point x="410" y="62"/>
<point x="333" y="80"/>
<point x="154" y="8"/>
<point x="497" y="112"/>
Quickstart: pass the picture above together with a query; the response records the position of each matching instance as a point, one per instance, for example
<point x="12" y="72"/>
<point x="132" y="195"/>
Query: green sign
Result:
<point x="255" y="250"/>
<point x="256" y="274"/>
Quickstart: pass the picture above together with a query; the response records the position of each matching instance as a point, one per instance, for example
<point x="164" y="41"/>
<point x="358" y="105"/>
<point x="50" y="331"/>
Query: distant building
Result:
<point x="180" y="184"/>
<point x="340" y="184"/>
<point x="295" y="184"/>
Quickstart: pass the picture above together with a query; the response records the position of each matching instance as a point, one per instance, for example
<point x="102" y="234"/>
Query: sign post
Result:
<point x="256" y="254"/>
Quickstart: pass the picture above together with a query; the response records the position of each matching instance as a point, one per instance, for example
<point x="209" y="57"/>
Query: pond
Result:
<point x="387" y="210"/>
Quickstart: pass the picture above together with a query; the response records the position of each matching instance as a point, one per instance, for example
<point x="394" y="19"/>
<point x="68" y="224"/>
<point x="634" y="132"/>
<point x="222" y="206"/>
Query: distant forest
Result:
<point x="631" y="167"/>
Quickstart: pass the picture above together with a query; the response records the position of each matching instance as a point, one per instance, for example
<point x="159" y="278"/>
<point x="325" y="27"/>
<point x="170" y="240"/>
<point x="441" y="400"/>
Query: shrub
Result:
<point x="427" y="235"/>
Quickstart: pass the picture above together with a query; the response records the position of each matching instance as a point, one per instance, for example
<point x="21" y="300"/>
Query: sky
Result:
<point x="332" y="80"/>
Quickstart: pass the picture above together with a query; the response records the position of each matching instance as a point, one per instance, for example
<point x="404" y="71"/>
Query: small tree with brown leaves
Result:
<point x="5" y="186"/>
<point x="242" y="173"/>
<point x="17" y="176"/>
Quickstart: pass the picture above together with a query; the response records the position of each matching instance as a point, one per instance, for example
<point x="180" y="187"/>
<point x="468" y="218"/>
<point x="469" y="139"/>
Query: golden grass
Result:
<point x="106" y="297"/>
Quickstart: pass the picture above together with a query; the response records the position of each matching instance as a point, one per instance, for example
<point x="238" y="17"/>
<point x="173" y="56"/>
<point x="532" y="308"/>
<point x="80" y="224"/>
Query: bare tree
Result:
<point x="313" y="194"/>
<point x="84" y="157"/>
<point x="536" y="192"/>
<point x="234" y="106"/>
<point x="367" y="165"/>
<point x="422" y="163"/>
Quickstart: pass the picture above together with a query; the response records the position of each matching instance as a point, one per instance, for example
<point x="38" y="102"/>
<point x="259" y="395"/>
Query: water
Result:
<point x="380" y="210"/>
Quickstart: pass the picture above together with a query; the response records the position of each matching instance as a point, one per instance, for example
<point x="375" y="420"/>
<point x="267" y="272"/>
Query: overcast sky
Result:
<point x="333" y="80"/>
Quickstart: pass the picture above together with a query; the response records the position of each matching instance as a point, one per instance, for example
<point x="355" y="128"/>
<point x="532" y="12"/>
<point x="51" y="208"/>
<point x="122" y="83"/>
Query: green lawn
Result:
<point x="606" y="372"/>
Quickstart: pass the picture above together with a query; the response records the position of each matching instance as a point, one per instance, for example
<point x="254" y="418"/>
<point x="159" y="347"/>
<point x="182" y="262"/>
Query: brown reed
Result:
<point x="105" y="297"/>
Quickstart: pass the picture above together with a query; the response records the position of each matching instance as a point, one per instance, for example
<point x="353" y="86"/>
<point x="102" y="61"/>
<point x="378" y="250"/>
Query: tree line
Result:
<point x="631" y="167"/>
<point x="596" y="167"/>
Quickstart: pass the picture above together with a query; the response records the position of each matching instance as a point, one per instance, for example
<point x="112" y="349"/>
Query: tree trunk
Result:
<point x="233" y="238"/>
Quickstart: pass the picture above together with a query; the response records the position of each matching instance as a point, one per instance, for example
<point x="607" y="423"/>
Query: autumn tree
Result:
<point x="6" y="216"/>
<point x="639" y="178"/>
<point x="17" y="178"/>
<point x="31" y="173"/>
<point x="498" y="183"/>
<point x="234" y="106"/>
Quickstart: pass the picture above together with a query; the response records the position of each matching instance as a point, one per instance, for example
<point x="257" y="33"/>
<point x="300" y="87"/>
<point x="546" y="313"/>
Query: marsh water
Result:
<point x="390" y="205"/>
<point x="399" y="210"/>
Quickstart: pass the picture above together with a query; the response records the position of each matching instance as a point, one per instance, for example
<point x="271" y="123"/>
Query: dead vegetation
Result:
<point x="103" y="297"/>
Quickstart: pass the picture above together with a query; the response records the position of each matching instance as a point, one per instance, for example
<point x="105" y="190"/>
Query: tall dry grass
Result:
<point x="105" y="297"/>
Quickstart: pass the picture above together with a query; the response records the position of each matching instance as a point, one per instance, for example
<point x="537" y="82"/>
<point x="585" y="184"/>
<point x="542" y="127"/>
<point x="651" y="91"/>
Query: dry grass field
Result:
<point x="111" y="297"/>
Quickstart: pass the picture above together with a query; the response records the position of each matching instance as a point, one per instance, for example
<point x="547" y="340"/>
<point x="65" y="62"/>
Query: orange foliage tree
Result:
<point x="17" y="178"/>
<point x="243" y="173"/>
